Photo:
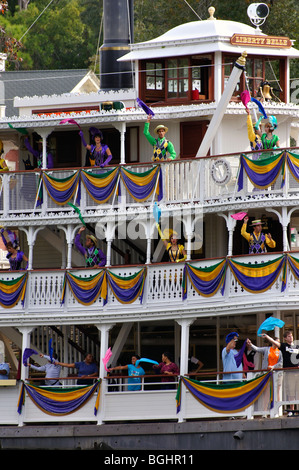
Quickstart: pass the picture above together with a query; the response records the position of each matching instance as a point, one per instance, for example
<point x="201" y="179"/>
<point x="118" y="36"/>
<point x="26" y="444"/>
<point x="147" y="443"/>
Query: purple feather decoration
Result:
<point x="145" y="108"/>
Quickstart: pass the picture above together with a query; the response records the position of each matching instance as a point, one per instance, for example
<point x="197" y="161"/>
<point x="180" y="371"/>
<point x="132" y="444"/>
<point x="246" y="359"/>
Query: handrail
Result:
<point x="150" y="376"/>
<point x="153" y="264"/>
<point x="149" y="162"/>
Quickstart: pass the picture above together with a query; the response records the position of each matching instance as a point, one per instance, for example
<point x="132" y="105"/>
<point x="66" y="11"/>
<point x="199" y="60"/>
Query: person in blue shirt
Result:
<point x="52" y="369"/>
<point x="134" y="373"/>
<point x="228" y="358"/>
<point x="4" y="371"/>
<point x="87" y="369"/>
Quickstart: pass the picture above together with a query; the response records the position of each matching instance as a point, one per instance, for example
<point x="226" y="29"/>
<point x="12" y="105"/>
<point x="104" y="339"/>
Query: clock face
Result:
<point x="221" y="172"/>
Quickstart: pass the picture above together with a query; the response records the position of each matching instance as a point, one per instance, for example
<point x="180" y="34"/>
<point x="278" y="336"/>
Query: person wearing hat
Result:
<point x="38" y="154"/>
<point x="228" y="359"/>
<point x="176" y="251"/>
<point x="257" y="239"/>
<point x="3" y="165"/>
<point x="269" y="140"/>
<point x="162" y="147"/>
<point x="94" y="257"/>
<point x="99" y="154"/>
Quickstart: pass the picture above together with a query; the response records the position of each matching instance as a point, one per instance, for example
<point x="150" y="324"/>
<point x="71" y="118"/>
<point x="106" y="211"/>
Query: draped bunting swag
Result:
<point x="227" y="398"/>
<point x="263" y="173"/>
<point x="125" y="288"/>
<point x="257" y="278"/>
<point x="206" y="281"/>
<point x="59" y="401"/>
<point x="61" y="191"/>
<point x="254" y="278"/>
<point x="86" y="290"/>
<point x="13" y="291"/>
<point x="101" y="186"/>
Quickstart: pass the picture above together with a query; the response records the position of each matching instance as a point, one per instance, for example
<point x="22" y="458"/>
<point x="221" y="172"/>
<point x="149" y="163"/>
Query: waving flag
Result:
<point x="70" y="121"/>
<point x="269" y="324"/>
<point x="144" y="359"/>
<point x="239" y="215"/>
<point x="27" y="353"/>
<point x="260" y="106"/>
<point x="145" y="108"/>
<point x="156" y="212"/>
<point x="106" y="358"/>
<point x="245" y="98"/>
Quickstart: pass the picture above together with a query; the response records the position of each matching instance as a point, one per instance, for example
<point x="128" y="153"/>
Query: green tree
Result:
<point x="67" y="34"/>
<point x="59" y="38"/>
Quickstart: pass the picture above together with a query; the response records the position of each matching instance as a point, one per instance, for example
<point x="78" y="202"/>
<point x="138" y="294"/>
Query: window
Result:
<point x="259" y="70"/>
<point x="201" y="73"/>
<point x="255" y="70"/>
<point x="177" y="78"/>
<point x="154" y="76"/>
<point x="228" y="67"/>
<point x="153" y="83"/>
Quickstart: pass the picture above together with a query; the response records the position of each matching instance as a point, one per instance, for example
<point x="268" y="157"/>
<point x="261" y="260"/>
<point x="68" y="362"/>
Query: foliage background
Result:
<point x="67" y="35"/>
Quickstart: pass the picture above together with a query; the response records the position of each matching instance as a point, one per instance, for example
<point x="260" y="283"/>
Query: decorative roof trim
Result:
<point x="136" y="115"/>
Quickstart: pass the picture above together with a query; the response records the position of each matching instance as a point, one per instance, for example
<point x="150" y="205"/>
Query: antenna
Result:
<point x="258" y="13"/>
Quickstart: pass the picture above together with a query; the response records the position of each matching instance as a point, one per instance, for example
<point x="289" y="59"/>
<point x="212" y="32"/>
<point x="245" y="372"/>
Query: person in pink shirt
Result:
<point x="167" y="367"/>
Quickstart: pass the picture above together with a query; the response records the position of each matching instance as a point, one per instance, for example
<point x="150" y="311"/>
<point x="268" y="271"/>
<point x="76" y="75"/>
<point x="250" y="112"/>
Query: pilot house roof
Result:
<point x="206" y="36"/>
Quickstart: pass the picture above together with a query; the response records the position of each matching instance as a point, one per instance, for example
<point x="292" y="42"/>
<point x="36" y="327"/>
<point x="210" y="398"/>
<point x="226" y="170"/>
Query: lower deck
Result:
<point x="146" y="420"/>
<point x="260" y="394"/>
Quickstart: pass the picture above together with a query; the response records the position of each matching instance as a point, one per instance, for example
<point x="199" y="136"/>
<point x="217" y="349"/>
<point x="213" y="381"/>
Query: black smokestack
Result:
<point x="118" y="34"/>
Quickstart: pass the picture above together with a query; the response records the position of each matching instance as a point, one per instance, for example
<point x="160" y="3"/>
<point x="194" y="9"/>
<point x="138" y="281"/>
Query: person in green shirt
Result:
<point x="270" y="140"/>
<point x="163" y="148"/>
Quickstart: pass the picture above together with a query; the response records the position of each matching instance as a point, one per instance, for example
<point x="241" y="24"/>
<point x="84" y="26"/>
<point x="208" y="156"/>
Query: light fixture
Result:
<point x="258" y="13"/>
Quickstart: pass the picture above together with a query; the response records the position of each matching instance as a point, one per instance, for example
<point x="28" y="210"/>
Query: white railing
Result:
<point x="153" y="402"/>
<point x="163" y="290"/>
<point x="199" y="180"/>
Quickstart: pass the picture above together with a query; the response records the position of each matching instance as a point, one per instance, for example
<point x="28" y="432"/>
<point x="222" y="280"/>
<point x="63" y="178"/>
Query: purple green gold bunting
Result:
<point x="257" y="278"/>
<point x="293" y="164"/>
<point x="61" y="191"/>
<point x="142" y="185"/>
<point x="12" y="291"/>
<point x="87" y="290"/>
<point x="225" y="398"/>
<point x="206" y="281"/>
<point x="262" y="173"/>
<point x="127" y="289"/>
<point x="100" y="186"/>
<point x="59" y="401"/>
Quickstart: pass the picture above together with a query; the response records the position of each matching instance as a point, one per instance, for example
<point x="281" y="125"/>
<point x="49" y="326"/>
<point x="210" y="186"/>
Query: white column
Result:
<point x="70" y="232"/>
<point x="284" y="218"/>
<point x="217" y="76"/>
<point x="121" y="127"/>
<point x="104" y="333"/>
<point x="44" y="133"/>
<point x="25" y="331"/>
<point x="31" y="234"/>
<point x="230" y="224"/>
<point x="109" y="234"/>
<point x="185" y="326"/>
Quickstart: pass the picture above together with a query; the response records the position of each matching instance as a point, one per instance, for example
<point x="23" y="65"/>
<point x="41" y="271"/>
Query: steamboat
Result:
<point x="191" y="80"/>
